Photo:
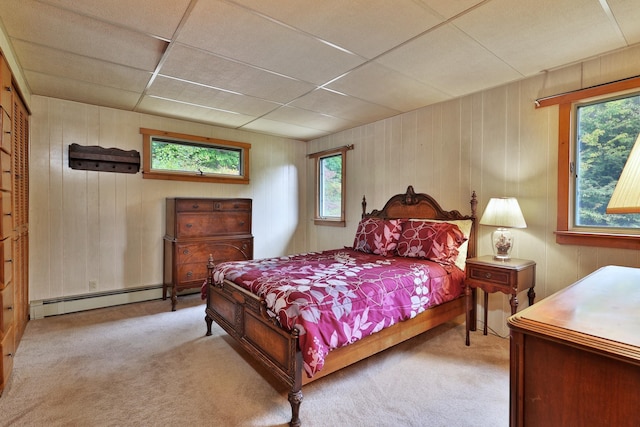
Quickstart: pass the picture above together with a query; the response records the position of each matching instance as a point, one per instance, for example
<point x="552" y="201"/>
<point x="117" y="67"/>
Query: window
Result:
<point x="330" y="184"/>
<point x="587" y="130"/>
<point x="606" y="130"/>
<point x="175" y="156"/>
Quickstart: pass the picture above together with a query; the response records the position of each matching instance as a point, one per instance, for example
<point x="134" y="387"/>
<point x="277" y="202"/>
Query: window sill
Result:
<point x="329" y="222"/>
<point x="605" y="240"/>
<point x="194" y="177"/>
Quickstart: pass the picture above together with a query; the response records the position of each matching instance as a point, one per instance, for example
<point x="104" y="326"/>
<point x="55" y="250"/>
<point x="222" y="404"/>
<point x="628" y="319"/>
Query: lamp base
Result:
<point x="502" y="240"/>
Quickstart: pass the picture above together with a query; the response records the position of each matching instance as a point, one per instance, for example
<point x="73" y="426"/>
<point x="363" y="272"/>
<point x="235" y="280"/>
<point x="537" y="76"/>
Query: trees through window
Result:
<point x="175" y="156"/>
<point x="606" y="130"/>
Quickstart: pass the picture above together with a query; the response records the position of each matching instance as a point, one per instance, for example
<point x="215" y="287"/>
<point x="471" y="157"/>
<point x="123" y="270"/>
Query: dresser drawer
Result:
<point x="193" y="225"/>
<point x="191" y="258"/>
<point x="488" y="275"/>
<point x="208" y="205"/>
<point x="6" y="92"/>
<point x="6" y="137"/>
<point x="6" y="264"/>
<point x="194" y="205"/>
<point x="7" y="219"/>
<point x="7" y="349"/>
<point x="5" y="176"/>
<point x="6" y="302"/>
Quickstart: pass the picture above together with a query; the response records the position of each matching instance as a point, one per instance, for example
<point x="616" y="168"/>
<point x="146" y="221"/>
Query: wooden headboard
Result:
<point x="423" y="206"/>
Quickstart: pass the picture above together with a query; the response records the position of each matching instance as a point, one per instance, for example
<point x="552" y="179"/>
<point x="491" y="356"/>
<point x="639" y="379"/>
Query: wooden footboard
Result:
<point x="243" y="316"/>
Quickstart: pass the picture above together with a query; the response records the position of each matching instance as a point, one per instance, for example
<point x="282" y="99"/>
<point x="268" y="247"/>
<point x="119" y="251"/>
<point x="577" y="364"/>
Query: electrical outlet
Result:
<point x="93" y="285"/>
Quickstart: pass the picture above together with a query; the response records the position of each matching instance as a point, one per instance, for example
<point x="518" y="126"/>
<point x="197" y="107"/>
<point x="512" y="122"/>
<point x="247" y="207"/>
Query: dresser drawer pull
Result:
<point x="186" y="252"/>
<point x="10" y="308"/>
<point x="190" y="273"/>
<point x="196" y="206"/>
<point x="487" y="275"/>
<point x="189" y="225"/>
<point x="241" y="223"/>
<point x="218" y="205"/>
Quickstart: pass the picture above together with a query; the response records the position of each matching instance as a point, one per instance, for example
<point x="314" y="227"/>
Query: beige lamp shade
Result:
<point x="504" y="213"/>
<point x="626" y="196"/>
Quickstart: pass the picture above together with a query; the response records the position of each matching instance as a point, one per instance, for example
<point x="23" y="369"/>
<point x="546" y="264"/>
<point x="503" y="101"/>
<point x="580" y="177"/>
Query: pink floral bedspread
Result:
<point x="339" y="296"/>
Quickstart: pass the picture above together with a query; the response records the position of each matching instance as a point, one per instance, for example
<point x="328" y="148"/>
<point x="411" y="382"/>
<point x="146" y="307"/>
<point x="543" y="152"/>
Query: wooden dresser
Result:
<point x="575" y="356"/>
<point x="197" y="228"/>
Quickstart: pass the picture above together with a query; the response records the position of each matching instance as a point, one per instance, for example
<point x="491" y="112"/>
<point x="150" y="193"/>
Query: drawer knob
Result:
<point x="190" y="273"/>
<point x="196" y="206"/>
<point x="218" y="205"/>
<point x="241" y="223"/>
<point x="10" y="308"/>
<point x="487" y="275"/>
<point x="186" y="252"/>
<point x="189" y="225"/>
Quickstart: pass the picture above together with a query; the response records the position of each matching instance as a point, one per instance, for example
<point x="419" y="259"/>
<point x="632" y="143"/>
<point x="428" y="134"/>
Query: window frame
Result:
<point x="565" y="233"/>
<point x="148" y="173"/>
<point x="318" y="219"/>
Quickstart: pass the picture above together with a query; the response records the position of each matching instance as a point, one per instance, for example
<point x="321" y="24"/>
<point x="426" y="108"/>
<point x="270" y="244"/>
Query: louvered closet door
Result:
<point x="20" y="193"/>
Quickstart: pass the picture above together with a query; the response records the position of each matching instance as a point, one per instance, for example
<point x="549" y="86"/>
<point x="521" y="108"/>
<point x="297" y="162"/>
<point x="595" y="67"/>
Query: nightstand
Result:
<point x="491" y="275"/>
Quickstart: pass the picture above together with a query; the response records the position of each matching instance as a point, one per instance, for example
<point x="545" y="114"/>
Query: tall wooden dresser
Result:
<point x="14" y="229"/>
<point x="197" y="228"/>
<point x="575" y="356"/>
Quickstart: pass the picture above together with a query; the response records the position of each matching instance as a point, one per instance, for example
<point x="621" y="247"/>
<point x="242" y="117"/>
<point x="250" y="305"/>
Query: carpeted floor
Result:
<point x="143" y="365"/>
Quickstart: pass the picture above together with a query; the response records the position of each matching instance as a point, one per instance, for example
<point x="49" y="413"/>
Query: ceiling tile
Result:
<point x="346" y="107"/>
<point x="627" y="14"/>
<point x="158" y="17"/>
<point x="191" y="93"/>
<point x="192" y="113"/>
<point x="365" y="27"/>
<point x="450" y="60"/>
<point x="201" y="67"/>
<point x="286" y="130"/>
<point x="49" y="26"/>
<point x="521" y="33"/>
<point x="384" y="86"/>
<point x="309" y="119"/>
<point x="69" y="66"/>
<point x="234" y="32"/>
<point x="448" y="8"/>
<point x="73" y="90"/>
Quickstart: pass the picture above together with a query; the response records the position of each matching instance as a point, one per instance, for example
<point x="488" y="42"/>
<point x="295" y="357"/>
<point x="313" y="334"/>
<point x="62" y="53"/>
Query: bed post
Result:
<point x="208" y="283"/>
<point x="295" y="395"/>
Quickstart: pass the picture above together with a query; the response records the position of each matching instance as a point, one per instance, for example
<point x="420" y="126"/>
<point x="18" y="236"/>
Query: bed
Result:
<point x="305" y="316"/>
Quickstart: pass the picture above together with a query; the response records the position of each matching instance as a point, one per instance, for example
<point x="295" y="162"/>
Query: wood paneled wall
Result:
<point x="108" y="227"/>
<point x="494" y="142"/>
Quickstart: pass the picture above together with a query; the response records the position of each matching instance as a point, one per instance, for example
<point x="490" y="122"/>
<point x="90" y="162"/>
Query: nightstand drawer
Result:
<point x="489" y="275"/>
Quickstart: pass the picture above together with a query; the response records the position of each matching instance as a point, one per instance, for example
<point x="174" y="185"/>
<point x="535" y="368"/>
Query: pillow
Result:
<point x="378" y="236"/>
<point x="436" y="241"/>
<point x="465" y="226"/>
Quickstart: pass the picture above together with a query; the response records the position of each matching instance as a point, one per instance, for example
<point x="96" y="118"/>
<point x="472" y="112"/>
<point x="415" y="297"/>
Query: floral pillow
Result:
<point x="378" y="236"/>
<point x="436" y="241"/>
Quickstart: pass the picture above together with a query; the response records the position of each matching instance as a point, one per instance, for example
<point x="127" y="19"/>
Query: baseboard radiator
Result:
<point x="71" y="304"/>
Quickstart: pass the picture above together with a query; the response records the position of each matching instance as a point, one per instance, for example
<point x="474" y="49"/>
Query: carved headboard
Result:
<point x="422" y="206"/>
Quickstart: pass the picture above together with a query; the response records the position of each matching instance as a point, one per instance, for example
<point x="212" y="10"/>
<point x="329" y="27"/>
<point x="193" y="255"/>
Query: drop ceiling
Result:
<point x="299" y="69"/>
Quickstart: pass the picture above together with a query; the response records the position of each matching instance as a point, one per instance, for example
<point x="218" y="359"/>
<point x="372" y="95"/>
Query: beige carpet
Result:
<point x="143" y="365"/>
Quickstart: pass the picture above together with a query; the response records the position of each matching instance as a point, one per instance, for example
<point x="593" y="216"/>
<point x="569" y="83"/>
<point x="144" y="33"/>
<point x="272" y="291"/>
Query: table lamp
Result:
<point x="626" y="196"/>
<point x="504" y="213"/>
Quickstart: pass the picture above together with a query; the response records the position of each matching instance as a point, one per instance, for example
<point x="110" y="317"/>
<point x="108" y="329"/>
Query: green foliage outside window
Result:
<point x="185" y="157"/>
<point x="606" y="133"/>
<point x="331" y="186"/>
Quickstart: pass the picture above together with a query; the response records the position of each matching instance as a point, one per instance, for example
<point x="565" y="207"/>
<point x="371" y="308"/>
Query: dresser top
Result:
<point x="603" y="308"/>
